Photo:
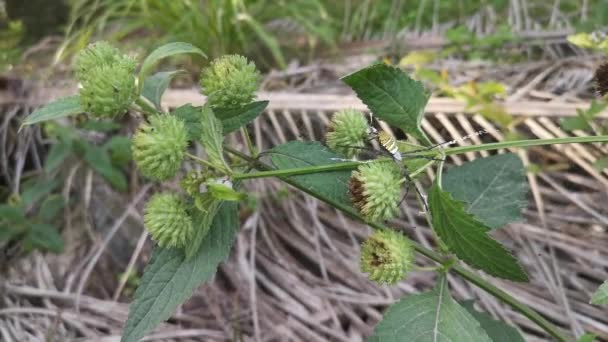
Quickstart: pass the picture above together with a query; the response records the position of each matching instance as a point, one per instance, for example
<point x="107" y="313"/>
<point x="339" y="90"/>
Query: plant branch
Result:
<point x="473" y="278"/>
<point x="517" y="143"/>
<point x="203" y="162"/>
<point x="299" y="170"/>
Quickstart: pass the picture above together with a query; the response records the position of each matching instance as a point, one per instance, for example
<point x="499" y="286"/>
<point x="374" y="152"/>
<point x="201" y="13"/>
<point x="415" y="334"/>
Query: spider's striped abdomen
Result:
<point x="388" y="143"/>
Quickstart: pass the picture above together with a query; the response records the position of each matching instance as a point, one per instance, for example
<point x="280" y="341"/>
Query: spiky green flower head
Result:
<point x="168" y="221"/>
<point x="95" y="55"/>
<point x="230" y="81"/>
<point x="347" y="132"/>
<point x="159" y="147"/>
<point x="375" y="190"/>
<point x="109" y="90"/>
<point x="386" y="256"/>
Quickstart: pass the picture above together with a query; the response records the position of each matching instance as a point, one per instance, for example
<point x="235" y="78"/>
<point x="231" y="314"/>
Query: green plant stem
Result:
<point x="473" y="278"/>
<point x="252" y="150"/>
<point x="450" y="151"/>
<point x="299" y="170"/>
<point x="520" y="143"/>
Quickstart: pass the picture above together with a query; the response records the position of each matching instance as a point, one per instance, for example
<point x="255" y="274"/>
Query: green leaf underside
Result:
<point x="233" y="119"/>
<point x="192" y="118"/>
<point x="164" y="51"/>
<point x="99" y="160"/>
<point x="57" y="154"/>
<point x="392" y="96"/>
<point x="35" y="189"/>
<point x="50" y="207"/>
<point x="169" y="280"/>
<point x="154" y="86"/>
<point x="295" y="154"/>
<point x="600" y="297"/>
<point x="498" y="331"/>
<point x="206" y="209"/>
<point x="212" y="138"/>
<point x="60" y="108"/>
<point x="468" y="239"/>
<point x="494" y="188"/>
<point x="43" y="236"/>
<point x="431" y="316"/>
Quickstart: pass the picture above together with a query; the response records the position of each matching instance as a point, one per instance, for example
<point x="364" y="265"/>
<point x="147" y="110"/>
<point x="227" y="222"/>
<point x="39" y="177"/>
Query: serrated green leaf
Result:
<point x="60" y="108"/>
<point x="234" y="118"/>
<point x="206" y="209"/>
<point x="169" y="279"/>
<point x="600" y="297"/>
<point x="99" y="160"/>
<point x="43" y="236"/>
<point x="192" y="118"/>
<point x="34" y="190"/>
<point x="498" y="331"/>
<point x="12" y="215"/>
<point x="12" y="222"/>
<point x="57" y="154"/>
<point x="294" y="154"/>
<point x="165" y="51"/>
<point x="119" y="148"/>
<point x="8" y="232"/>
<point x="494" y="188"/>
<point x="468" y="239"/>
<point x="50" y="207"/>
<point x="431" y="316"/>
<point x="154" y="86"/>
<point x="392" y="96"/>
<point x="212" y="138"/>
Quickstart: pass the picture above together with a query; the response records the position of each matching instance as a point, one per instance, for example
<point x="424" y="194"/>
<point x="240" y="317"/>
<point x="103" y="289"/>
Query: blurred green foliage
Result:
<point x="271" y="32"/>
<point x="32" y="217"/>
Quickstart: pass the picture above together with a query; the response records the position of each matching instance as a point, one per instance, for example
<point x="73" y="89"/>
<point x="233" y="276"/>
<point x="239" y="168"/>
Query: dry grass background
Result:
<point x="293" y="271"/>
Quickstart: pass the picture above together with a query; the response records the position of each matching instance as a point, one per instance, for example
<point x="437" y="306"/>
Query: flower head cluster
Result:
<point x="375" y="190"/>
<point x="107" y="83"/>
<point x="347" y="132"/>
<point x="159" y="147"/>
<point x="387" y="256"/>
<point x="230" y="81"/>
<point x="168" y="221"/>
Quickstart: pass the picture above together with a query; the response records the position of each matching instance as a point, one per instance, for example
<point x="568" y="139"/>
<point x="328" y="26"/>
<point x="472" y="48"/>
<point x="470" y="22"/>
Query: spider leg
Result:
<point x="411" y="182"/>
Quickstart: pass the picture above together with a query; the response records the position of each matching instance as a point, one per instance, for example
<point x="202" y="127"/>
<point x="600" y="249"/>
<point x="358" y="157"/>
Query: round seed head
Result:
<point x="159" y="147"/>
<point x="387" y="256"/>
<point x="109" y="89"/>
<point x="230" y="81"/>
<point x="375" y="190"/>
<point x="347" y="132"/>
<point x="167" y="220"/>
<point x="95" y="55"/>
